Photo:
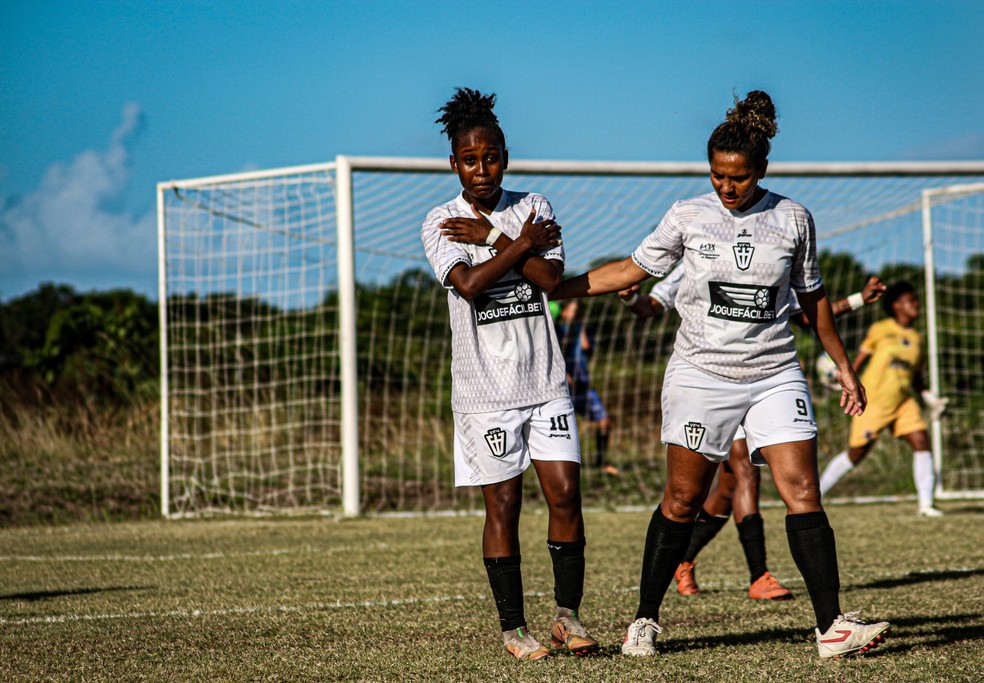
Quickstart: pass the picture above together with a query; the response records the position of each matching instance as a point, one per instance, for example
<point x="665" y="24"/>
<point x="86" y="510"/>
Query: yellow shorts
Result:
<point x="905" y="418"/>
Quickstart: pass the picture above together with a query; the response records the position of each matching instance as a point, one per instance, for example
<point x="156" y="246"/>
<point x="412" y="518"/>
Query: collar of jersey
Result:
<point x="754" y="208"/>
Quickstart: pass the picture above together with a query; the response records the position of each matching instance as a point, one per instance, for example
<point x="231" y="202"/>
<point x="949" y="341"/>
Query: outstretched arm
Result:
<point x="871" y="292"/>
<point x="605" y="279"/>
<point x="642" y="306"/>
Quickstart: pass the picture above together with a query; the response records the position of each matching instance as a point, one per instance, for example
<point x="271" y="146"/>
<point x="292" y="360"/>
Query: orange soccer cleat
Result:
<point x="767" y="587"/>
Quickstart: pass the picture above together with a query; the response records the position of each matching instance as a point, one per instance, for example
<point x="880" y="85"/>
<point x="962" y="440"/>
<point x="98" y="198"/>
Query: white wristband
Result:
<point x="855" y="301"/>
<point x="631" y="301"/>
<point x="493" y="236"/>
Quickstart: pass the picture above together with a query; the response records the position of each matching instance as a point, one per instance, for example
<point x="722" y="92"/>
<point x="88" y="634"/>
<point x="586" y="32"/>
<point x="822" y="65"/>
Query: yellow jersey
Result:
<point x="896" y="356"/>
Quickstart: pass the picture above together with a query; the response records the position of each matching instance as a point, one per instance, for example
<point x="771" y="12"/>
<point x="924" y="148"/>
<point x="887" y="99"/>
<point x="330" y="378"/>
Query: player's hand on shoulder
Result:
<point x="467" y="230"/>
<point x="873" y="289"/>
<point x="543" y="234"/>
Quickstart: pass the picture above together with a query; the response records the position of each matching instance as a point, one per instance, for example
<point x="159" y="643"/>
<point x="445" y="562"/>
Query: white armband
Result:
<point x="493" y="236"/>
<point x="855" y="301"/>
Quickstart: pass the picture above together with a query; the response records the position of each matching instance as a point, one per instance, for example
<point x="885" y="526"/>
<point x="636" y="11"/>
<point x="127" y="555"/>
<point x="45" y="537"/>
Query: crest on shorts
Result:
<point x="743" y="255"/>
<point x="496" y="440"/>
<point x="695" y="434"/>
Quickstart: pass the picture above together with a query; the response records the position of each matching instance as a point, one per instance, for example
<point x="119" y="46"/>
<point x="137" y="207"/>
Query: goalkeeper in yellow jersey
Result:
<point x="894" y="353"/>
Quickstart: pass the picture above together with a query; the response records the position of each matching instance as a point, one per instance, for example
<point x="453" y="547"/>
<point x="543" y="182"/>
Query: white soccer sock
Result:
<point x="835" y="471"/>
<point x="925" y="477"/>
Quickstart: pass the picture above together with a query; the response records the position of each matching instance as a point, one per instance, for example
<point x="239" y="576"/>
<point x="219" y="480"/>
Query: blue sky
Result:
<point x="100" y="100"/>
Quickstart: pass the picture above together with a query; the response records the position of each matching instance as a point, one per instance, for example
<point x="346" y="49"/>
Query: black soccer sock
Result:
<point x="568" y="571"/>
<point x="706" y="527"/>
<point x="666" y="543"/>
<point x="811" y="542"/>
<point x="601" y="447"/>
<point x="506" y="580"/>
<point x="751" y="533"/>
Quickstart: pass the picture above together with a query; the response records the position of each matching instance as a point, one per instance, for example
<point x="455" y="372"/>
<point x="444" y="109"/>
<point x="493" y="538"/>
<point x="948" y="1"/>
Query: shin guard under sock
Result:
<point x="666" y="543"/>
<point x="706" y="527"/>
<point x="751" y="533"/>
<point x="506" y="580"/>
<point x="811" y="543"/>
<point x="568" y="570"/>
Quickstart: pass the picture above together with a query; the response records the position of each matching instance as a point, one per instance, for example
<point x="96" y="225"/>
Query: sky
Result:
<point x="101" y="100"/>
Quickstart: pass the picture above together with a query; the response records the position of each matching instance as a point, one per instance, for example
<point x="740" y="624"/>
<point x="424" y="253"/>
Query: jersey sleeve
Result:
<point x="794" y="303"/>
<point x="870" y="342"/>
<point x="442" y="254"/>
<point x="665" y="291"/>
<point x="544" y="211"/>
<point x="663" y="247"/>
<point x="804" y="275"/>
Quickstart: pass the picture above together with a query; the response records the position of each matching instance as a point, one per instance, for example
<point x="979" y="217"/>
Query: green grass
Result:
<point x="386" y="599"/>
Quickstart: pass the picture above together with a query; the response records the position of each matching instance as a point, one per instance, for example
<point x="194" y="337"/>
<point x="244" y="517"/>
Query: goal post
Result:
<point x="304" y="341"/>
<point x="953" y="219"/>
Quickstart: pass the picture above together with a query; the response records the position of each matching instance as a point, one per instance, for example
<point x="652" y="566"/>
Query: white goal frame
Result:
<point x="930" y="199"/>
<point x="342" y="169"/>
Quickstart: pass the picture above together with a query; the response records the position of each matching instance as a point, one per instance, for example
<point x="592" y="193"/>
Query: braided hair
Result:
<point x="467" y="110"/>
<point x="747" y="129"/>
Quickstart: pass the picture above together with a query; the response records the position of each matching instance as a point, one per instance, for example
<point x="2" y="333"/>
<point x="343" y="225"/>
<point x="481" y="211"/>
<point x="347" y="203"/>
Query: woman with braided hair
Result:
<point x="734" y="364"/>
<point x="499" y="254"/>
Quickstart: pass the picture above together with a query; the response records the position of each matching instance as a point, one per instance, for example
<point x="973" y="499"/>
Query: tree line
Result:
<point x="58" y="344"/>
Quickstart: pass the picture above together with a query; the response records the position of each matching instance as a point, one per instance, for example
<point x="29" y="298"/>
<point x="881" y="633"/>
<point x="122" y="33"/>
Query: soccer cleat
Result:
<point x="525" y="647"/>
<point x="767" y="587"/>
<point x="640" y="639"/>
<point x="849" y="634"/>
<point x="686" y="581"/>
<point x="569" y="632"/>
<point x="930" y="512"/>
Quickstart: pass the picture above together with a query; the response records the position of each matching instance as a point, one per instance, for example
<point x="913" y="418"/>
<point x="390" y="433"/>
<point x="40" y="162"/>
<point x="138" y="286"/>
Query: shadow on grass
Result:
<point x="907" y="633"/>
<point x="920" y="577"/>
<point x="48" y="595"/>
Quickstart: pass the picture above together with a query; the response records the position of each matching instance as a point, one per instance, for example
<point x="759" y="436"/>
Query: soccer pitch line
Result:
<point x="236" y="611"/>
<point x="192" y="556"/>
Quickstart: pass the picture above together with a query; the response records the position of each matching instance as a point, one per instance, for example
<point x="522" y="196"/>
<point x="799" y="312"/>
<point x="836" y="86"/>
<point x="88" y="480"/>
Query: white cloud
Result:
<point x="72" y="230"/>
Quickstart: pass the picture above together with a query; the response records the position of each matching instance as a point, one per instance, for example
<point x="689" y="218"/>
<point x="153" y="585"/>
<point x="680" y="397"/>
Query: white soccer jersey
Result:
<point x="734" y="297"/>
<point x="504" y="350"/>
<point x="665" y="292"/>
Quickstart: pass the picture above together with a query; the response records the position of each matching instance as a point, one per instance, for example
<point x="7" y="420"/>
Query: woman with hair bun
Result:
<point x="734" y="364"/>
<point x="499" y="254"/>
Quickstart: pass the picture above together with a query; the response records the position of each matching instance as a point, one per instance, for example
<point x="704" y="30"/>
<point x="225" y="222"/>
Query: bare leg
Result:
<point x="811" y="540"/>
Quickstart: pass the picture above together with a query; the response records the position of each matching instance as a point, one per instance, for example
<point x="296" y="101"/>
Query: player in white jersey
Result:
<point x="734" y="364"/>
<point x="738" y="480"/>
<point x="499" y="253"/>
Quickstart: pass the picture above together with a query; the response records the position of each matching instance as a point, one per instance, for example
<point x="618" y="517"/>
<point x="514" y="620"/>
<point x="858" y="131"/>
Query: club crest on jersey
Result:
<point x="743" y="255"/>
<point x="744" y="303"/>
<point x="496" y="440"/>
<point x="508" y="300"/>
<point x="695" y="434"/>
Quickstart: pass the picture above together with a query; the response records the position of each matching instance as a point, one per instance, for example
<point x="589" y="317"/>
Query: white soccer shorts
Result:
<point x="494" y="447"/>
<point x="703" y="413"/>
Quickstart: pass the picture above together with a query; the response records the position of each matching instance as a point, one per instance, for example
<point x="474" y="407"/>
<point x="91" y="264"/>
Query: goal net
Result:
<point x="305" y="341"/>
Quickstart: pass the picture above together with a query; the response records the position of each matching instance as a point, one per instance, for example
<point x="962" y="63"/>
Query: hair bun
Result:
<point x="756" y="112"/>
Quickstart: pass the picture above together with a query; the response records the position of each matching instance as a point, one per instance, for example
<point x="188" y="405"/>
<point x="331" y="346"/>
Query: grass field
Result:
<point x="386" y="599"/>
